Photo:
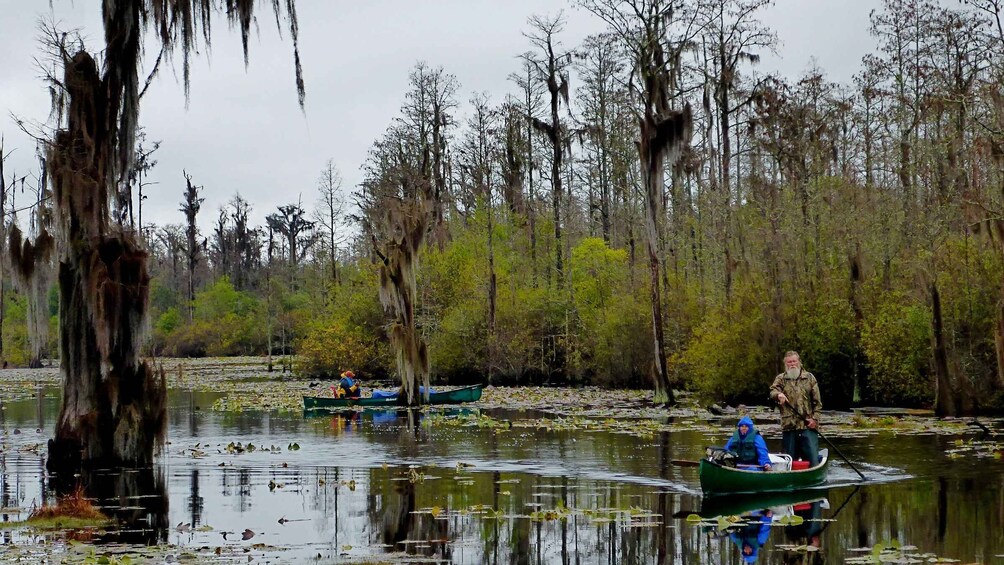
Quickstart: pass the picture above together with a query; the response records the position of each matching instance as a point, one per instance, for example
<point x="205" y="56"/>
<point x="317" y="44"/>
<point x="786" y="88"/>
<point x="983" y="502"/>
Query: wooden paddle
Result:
<point x="684" y="463"/>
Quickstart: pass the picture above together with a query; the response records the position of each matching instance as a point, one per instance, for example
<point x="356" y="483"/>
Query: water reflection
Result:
<point x="807" y="534"/>
<point x="395" y="483"/>
<point x="749" y="521"/>
<point x="195" y="500"/>
<point x="135" y="498"/>
<point x="753" y="534"/>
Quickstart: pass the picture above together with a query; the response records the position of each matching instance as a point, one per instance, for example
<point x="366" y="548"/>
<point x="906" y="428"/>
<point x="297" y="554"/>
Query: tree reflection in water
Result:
<point x="402" y="528"/>
<point x="135" y="499"/>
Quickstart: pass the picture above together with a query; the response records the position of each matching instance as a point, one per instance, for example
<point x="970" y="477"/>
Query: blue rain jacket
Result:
<point x="750" y="448"/>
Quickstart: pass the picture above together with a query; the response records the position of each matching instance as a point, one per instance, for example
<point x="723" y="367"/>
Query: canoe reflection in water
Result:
<point x="797" y="513"/>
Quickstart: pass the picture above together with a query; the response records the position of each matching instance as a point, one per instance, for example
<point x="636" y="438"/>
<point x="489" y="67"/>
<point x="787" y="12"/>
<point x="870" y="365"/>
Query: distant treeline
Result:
<point x="860" y="224"/>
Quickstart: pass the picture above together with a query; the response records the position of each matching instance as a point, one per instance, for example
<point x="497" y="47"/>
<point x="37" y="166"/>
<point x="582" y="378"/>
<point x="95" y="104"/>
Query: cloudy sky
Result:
<point x="244" y="132"/>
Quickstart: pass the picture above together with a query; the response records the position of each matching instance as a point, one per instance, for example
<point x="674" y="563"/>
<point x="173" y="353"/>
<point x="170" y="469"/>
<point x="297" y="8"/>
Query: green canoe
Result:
<point x="717" y="479"/>
<point x="456" y="396"/>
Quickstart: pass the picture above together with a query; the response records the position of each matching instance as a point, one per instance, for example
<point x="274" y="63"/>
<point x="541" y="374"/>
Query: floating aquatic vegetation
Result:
<point x="642" y="428"/>
<point x="976" y="448"/>
<point x="60" y="550"/>
<point x="19" y="384"/>
<point x="803" y="548"/>
<point x="246" y="384"/>
<point x="558" y="513"/>
<point x="893" y="552"/>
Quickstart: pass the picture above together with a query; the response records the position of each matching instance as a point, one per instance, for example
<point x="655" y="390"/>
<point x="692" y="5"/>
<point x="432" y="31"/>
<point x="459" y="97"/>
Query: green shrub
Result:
<point x="823" y="334"/>
<point x="349" y="333"/>
<point x="332" y="346"/>
<point x="724" y="359"/>
<point x="226" y="322"/>
<point x="607" y="345"/>
<point x="168" y="322"/>
<point x="16" y="348"/>
<point x="459" y="344"/>
<point x="897" y="343"/>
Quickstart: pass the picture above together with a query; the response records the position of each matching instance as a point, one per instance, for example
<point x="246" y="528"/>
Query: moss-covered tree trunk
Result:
<point x="113" y="409"/>
<point x="409" y="222"/>
<point x="661" y="137"/>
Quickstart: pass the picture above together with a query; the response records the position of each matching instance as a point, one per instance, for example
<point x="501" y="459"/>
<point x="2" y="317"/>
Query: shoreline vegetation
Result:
<point x="244" y="383"/>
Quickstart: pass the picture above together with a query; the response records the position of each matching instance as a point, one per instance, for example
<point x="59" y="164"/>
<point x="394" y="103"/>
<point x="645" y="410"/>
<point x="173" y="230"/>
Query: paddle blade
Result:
<point x="684" y="463"/>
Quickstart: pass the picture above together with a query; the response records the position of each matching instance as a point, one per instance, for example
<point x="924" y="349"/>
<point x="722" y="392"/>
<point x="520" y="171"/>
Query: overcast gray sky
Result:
<point x="243" y="130"/>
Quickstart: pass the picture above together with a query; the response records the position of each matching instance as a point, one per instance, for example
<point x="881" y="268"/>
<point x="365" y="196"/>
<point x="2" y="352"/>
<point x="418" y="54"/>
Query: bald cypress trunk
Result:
<point x="662" y="139"/>
<point x="3" y="237"/>
<point x="945" y="399"/>
<point x="113" y="410"/>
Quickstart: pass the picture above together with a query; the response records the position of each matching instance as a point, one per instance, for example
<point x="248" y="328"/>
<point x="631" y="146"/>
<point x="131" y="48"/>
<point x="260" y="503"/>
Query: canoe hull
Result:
<point x="456" y="396"/>
<point x="716" y="479"/>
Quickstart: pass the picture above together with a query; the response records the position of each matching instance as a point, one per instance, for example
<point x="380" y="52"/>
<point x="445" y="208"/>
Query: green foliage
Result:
<point x="971" y="275"/>
<point x="221" y="299"/>
<point x="16" y="348"/>
<point x="455" y="283"/>
<point x="736" y="351"/>
<point x="610" y="317"/>
<point x="597" y="271"/>
<point x="824" y="335"/>
<point x="527" y="321"/>
<point x="725" y="359"/>
<point x="225" y="322"/>
<point x="459" y="344"/>
<point x="348" y="334"/>
<point x="167" y="322"/>
<point x="897" y="342"/>
<point x="331" y="346"/>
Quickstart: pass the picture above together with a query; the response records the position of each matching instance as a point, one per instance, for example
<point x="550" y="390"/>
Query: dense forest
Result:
<point x="644" y="209"/>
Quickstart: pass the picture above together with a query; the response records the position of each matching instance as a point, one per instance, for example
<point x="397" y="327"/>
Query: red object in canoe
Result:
<point x="799" y="464"/>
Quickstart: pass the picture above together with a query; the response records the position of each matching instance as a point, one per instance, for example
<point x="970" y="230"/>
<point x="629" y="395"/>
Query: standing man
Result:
<point x="797" y="393"/>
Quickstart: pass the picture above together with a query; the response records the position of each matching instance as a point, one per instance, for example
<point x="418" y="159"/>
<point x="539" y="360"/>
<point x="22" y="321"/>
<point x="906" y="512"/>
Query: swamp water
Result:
<point x="481" y="486"/>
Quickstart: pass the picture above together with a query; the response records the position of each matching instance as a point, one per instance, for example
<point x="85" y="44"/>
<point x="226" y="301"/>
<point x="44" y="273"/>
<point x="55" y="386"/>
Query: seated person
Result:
<point x="346" y="387"/>
<point x="748" y="445"/>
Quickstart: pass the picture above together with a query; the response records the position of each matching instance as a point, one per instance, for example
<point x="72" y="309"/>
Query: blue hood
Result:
<point x="749" y="422"/>
<point x="742" y="543"/>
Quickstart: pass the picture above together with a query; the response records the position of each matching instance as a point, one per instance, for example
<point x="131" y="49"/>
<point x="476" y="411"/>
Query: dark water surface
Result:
<point x="376" y="484"/>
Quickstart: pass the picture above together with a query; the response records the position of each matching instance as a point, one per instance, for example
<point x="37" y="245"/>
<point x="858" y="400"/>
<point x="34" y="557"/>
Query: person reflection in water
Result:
<point x="752" y="536"/>
<point x="341" y="423"/>
<point x="808" y="534"/>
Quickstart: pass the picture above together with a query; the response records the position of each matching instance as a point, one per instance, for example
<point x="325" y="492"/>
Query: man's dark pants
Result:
<point x="801" y="444"/>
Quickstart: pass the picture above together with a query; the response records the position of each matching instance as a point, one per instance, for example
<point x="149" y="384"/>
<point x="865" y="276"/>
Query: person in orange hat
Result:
<point x="347" y="387"/>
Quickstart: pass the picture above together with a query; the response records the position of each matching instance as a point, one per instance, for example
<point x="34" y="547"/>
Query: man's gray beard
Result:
<point x="793" y="373"/>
